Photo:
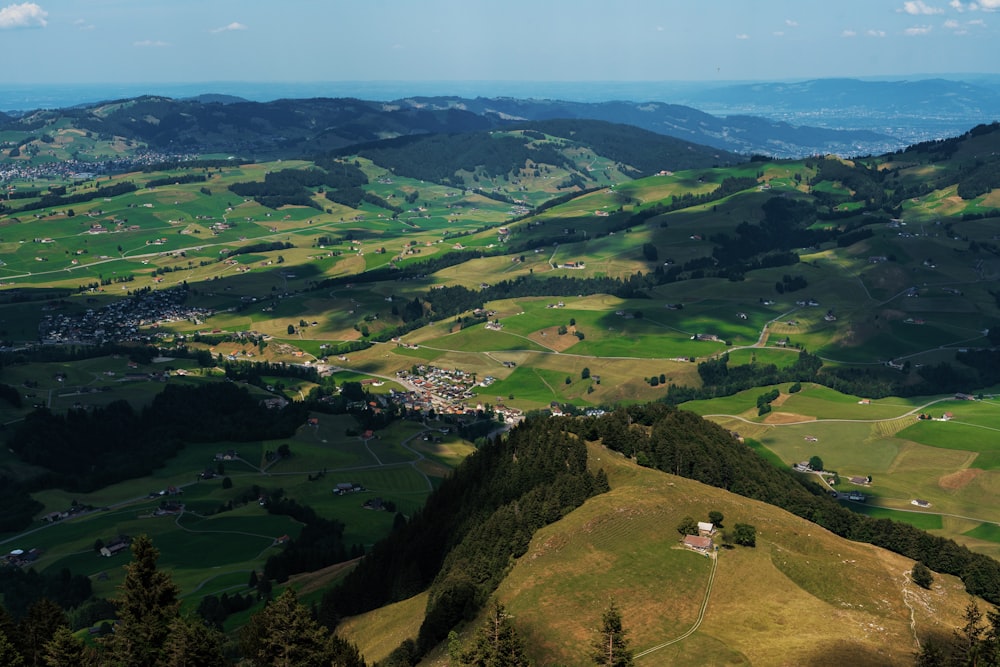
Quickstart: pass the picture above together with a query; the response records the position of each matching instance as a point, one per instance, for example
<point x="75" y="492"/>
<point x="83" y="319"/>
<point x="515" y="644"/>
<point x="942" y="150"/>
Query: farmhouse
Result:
<point x="706" y="528"/>
<point x="698" y="543"/>
<point x="115" y="546"/>
<point x="860" y="481"/>
<point x="920" y="503"/>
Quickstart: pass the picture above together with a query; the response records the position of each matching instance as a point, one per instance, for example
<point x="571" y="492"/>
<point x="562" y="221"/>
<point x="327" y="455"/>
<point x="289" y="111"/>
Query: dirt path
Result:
<point x="697" y="622"/>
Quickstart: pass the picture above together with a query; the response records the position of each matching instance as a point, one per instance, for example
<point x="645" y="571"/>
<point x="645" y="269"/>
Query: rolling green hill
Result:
<point x="800" y="593"/>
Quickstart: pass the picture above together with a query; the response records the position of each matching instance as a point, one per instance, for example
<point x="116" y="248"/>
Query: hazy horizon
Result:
<point x="161" y="41"/>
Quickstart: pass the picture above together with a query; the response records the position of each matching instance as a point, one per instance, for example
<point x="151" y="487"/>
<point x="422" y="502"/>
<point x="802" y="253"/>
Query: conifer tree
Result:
<point x="284" y="635"/>
<point x="497" y="642"/>
<point x="7" y="625"/>
<point x="147" y="603"/>
<point x="191" y="643"/>
<point x="64" y="650"/>
<point x="37" y="628"/>
<point x="9" y="655"/>
<point x="611" y="647"/>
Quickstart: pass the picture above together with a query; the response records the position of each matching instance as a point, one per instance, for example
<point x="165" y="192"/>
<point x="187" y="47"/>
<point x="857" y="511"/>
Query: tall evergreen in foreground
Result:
<point x="611" y="648"/>
<point x="147" y="603"/>
<point x="285" y="635"/>
<point x="497" y="643"/>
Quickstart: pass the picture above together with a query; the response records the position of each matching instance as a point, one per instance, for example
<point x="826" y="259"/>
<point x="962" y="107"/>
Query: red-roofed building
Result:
<point x="698" y="543"/>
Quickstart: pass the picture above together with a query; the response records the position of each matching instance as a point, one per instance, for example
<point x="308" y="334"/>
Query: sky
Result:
<point x="193" y="41"/>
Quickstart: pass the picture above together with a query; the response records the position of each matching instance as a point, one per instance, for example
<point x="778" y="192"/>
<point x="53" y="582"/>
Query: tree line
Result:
<point x="684" y="444"/>
<point x="151" y="631"/>
<point x="460" y="544"/>
<point x="86" y="449"/>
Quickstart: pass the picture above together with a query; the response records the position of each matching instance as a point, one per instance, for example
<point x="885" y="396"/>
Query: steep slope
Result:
<point x="800" y="596"/>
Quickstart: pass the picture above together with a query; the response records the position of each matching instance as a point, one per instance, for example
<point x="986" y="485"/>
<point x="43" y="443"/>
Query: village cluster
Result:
<point x="120" y="321"/>
<point x="75" y="170"/>
<point x="446" y="392"/>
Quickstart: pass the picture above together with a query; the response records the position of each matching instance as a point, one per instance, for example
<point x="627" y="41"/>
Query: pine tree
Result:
<point x="968" y="640"/>
<point x="9" y="656"/>
<point x="64" y="650"/>
<point x="37" y="628"/>
<point x="611" y="646"/>
<point x="7" y="625"/>
<point x="192" y="644"/>
<point x="284" y="635"/>
<point x="497" y="642"/>
<point x="147" y="603"/>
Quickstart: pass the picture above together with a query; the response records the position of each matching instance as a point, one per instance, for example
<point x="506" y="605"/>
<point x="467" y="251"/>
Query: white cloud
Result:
<point x="83" y="25"/>
<point x="146" y="43"/>
<point x="917" y="7"/>
<point x="791" y="23"/>
<point x="875" y="33"/>
<point x="951" y="24"/>
<point x="978" y="22"/>
<point x="778" y="33"/>
<point x="232" y="26"/>
<point x="917" y="30"/>
<point x="957" y="6"/>
<point x="989" y="5"/>
<point x="659" y="28"/>
<point x="24" y="15"/>
<point x="848" y="33"/>
<point x="742" y="35"/>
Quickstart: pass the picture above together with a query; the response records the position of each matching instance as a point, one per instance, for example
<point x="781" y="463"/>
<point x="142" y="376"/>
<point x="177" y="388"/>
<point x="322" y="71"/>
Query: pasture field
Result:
<point x="211" y="550"/>
<point x="953" y="465"/>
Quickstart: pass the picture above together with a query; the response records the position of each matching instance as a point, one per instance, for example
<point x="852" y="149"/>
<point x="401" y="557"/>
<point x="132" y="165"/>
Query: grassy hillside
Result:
<point x="801" y="594"/>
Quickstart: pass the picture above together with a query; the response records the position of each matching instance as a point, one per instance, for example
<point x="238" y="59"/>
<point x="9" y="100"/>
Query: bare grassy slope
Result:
<point x="801" y="597"/>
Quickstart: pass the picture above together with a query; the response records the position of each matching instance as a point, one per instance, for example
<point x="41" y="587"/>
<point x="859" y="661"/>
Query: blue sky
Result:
<point x="189" y="41"/>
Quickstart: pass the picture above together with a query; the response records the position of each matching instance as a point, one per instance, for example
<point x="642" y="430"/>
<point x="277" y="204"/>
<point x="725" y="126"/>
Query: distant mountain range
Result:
<point x="841" y="116"/>
<point x="289" y="128"/>
<point x="913" y="110"/>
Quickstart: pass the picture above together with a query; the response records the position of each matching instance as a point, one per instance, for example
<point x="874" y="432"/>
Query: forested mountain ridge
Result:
<point x="294" y="128"/>
<point x="738" y="133"/>
<point x="529" y="145"/>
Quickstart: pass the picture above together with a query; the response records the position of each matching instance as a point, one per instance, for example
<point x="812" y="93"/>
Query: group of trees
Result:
<point x="459" y="546"/>
<point x="84" y="450"/>
<point x="975" y="644"/>
<point x="151" y="631"/>
<point x="497" y="643"/>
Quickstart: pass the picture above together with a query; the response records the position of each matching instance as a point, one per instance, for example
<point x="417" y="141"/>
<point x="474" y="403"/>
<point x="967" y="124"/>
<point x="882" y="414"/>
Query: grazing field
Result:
<point x="621" y="546"/>
<point x="217" y="539"/>
<point x="952" y="465"/>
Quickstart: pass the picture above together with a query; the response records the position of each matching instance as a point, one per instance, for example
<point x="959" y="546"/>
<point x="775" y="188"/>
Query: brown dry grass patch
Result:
<point x="959" y="479"/>
<point x="780" y="400"/>
<point x="550" y="338"/>
<point x="786" y="418"/>
<point x="320" y="579"/>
